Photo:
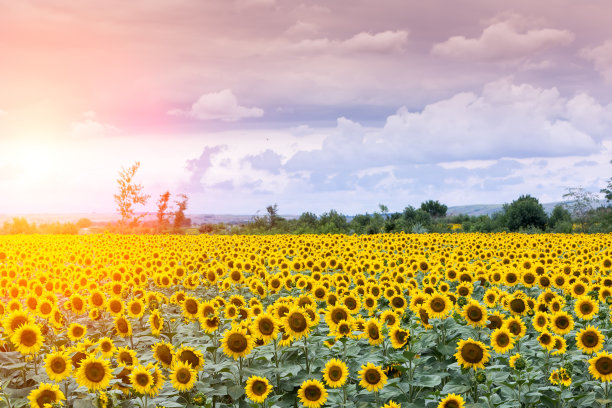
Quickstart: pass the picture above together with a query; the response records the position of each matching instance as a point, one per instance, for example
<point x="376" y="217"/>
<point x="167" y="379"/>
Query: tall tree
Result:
<point x="163" y="211"/>
<point x="130" y="195"/>
<point x="434" y="208"/>
<point x="179" y="213"/>
<point x="526" y="211"/>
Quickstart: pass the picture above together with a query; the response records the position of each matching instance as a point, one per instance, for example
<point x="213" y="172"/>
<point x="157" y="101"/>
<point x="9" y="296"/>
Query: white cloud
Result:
<point x="502" y="41"/>
<point x="89" y="128"/>
<point x="602" y="58"/>
<point x="302" y="28"/>
<point x="364" y="42"/>
<point x="221" y="105"/>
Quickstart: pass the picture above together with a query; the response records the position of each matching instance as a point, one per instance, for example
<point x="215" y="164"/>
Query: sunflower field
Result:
<point x="390" y="320"/>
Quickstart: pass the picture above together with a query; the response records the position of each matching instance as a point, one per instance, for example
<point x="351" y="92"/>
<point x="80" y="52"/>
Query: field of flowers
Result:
<point x="450" y="320"/>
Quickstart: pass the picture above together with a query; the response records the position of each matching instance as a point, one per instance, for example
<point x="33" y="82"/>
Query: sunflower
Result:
<point x="373" y="332"/>
<point x="516" y="326"/>
<point x="115" y="306"/>
<point x="391" y="404"/>
<point x="496" y="320"/>
<point x="335" y="373"/>
<point x="474" y="314"/>
<point x="399" y="337"/>
<point x="471" y="353"/>
<point x="156" y="321"/>
<point x="237" y="343"/>
<point x="373" y="377"/>
<point x="126" y="357"/>
<point x="183" y="377"/>
<point x="546" y="340"/>
<point x="158" y="379"/>
<point x="106" y="347"/>
<point x="190" y="307"/>
<point x="561" y="322"/>
<point x="189" y="355"/>
<point x="123" y="327"/>
<point x="141" y="379"/>
<point x="45" y="394"/>
<point x="502" y="340"/>
<point x="296" y="323"/>
<point x="513" y="359"/>
<point x="94" y="373"/>
<point x="559" y="345"/>
<point x="600" y="366"/>
<point x="585" y="308"/>
<point x="27" y="339"/>
<point x="211" y="324"/>
<point x="589" y="340"/>
<point x="389" y="318"/>
<point x="517" y="305"/>
<point x="76" y="331"/>
<point x="540" y="321"/>
<point x="438" y="306"/>
<point x="336" y="314"/>
<point x="14" y="320"/>
<point x="265" y="327"/>
<point x="257" y="389"/>
<point x="312" y="394"/>
<point x="452" y="401"/>
<point x="164" y="353"/>
<point x="58" y="365"/>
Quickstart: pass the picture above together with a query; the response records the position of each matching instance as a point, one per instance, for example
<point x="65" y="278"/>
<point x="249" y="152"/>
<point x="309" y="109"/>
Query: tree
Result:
<point x="434" y="208"/>
<point x="580" y="203"/>
<point x="130" y="195"/>
<point x="607" y="191"/>
<point x="272" y="214"/>
<point x="83" y="223"/>
<point x="525" y="212"/>
<point x="179" y="214"/>
<point x="163" y="212"/>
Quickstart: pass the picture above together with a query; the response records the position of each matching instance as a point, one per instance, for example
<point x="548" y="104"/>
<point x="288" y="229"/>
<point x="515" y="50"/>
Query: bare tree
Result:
<point x="163" y="212"/>
<point x="130" y="195"/>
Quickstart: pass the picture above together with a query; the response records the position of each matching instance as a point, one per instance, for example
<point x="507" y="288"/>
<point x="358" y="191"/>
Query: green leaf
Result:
<point x="235" y="391"/>
<point x="427" y="380"/>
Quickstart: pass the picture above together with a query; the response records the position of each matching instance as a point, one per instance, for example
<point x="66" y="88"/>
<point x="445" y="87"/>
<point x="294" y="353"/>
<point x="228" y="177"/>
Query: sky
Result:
<point x="313" y="105"/>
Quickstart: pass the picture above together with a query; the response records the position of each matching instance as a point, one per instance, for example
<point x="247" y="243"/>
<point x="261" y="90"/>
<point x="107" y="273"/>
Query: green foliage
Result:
<point x="525" y="212"/>
<point x="129" y="196"/>
<point x="434" y="208"/>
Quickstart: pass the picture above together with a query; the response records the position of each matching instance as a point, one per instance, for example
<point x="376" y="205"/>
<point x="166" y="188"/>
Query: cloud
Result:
<point x="200" y="166"/>
<point x="502" y="41"/>
<point x="302" y="28"/>
<point x="364" y="42"/>
<point x="602" y="58"/>
<point x="221" y="105"/>
<point x="504" y="120"/>
<point x="268" y="160"/>
<point x="90" y="128"/>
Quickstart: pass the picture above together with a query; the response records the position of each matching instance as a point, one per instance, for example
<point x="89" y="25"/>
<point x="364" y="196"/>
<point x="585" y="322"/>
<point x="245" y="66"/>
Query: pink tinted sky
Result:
<point x="310" y="104"/>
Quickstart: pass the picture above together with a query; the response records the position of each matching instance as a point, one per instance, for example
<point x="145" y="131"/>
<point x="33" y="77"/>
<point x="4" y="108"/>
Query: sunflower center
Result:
<point x="237" y="342"/>
<point x="122" y="326"/>
<point x="142" y="379"/>
<point x="472" y="353"/>
<point x="604" y="365"/>
<point x="297" y="322"/>
<point x="77" y="331"/>
<point x="95" y="372"/>
<point x="372" y="376"/>
<point x="115" y="307"/>
<point x="494" y="322"/>
<point x="164" y="355"/>
<point x="503" y="340"/>
<point x="590" y="339"/>
<point x="517" y="305"/>
<point x="190" y="357"/>
<point x="266" y="327"/>
<point x="350" y="303"/>
<point x="437" y="305"/>
<point x="339" y="315"/>
<point x="586" y="308"/>
<point x="562" y="322"/>
<point x="514" y="328"/>
<point x="545" y="339"/>
<point x="259" y="387"/>
<point x="28" y="338"/>
<point x="397" y="302"/>
<point x="451" y="404"/>
<point x="335" y="373"/>
<point x="58" y="365"/>
<point x="344" y="328"/>
<point x="373" y="332"/>
<point x="46" y="397"/>
<point x="511" y="278"/>
<point x="474" y="313"/>
<point x="400" y="336"/>
<point x="312" y="393"/>
<point x="191" y="306"/>
<point x="183" y="376"/>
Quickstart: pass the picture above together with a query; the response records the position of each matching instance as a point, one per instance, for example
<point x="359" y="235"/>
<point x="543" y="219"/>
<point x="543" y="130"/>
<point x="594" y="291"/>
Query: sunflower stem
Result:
<point x="306" y="354"/>
<point x="240" y="370"/>
<point x="344" y="395"/>
<point x="278" y="390"/>
<point x="66" y="392"/>
<point x="377" y="399"/>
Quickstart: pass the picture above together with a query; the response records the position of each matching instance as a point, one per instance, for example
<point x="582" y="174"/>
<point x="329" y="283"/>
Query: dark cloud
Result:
<point x="268" y="160"/>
